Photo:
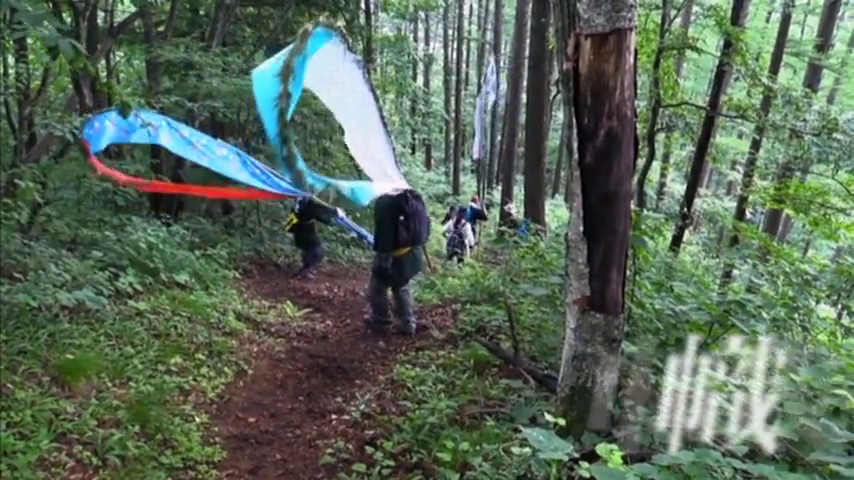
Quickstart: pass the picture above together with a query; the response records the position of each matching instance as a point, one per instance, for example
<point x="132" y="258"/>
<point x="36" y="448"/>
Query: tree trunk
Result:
<point x="414" y="101"/>
<point x="468" y="30"/>
<point x="561" y="152"/>
<point x="812" y="81"/>
<point x="655" y="105"/>
<point x="837" y="81"/>
<point x="723" y="71"/>
<point x="497" y="41"/>
<point x="515" y="77"/>
<point x="369" y="37"/>
<point x="428" y="96"/>
<point x="483" y="21"/>
<point x="446" y="80"/>
<point x="667" y="155"/>
<point x="601" y="58"/>
<point x="765" y="104"/>
<point x="537" y="113"/>
<point x="458" y="100"/>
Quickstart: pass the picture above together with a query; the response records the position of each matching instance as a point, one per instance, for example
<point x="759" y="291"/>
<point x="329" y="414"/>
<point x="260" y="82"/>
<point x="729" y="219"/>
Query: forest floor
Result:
<point x="279" y="419"/>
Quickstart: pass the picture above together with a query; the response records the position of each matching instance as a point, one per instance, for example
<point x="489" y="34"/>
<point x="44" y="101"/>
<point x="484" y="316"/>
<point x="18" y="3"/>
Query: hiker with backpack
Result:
<point x="301" y="223"/>
<point x="475" y="213"/>
<point x="450" y="214"/>
<point x="401" y="229"/>
<point x="460" y="237"/>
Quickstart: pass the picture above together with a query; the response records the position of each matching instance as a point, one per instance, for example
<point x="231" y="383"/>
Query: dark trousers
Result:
<point x="460" y="258"/>
<point x="311" y="257"/>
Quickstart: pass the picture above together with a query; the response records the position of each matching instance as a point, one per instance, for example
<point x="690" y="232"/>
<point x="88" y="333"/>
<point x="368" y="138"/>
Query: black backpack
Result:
<point x="413" y="226"/>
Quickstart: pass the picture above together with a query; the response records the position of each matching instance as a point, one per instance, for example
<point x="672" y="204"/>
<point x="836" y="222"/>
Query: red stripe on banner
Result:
<point x="172" y="188"/>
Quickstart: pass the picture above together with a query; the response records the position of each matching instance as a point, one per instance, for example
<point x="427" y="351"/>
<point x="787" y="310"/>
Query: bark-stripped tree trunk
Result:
<point x="601" y="58"/>
<point x="515" y="78"/>
<point x="759" y="129"/>
<point x="812" y="81"/>
<point x="537" y="113"/>
<point x="458" y="100"/>
<point x="446" y="80"/>
<point x="428" y="95"/>
<point x="723" y="71"/>
<point x="497" y="41"/>
<point x="655" y="105"/>
<point x="666" y="156"/>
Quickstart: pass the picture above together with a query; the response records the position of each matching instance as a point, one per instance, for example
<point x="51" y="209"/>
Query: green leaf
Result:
<point x="547" y="444"/>
<point x="604" y="472"/>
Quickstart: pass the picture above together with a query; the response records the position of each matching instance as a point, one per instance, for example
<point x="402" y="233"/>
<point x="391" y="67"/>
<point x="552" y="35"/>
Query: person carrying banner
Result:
<point x="301" y="223"/>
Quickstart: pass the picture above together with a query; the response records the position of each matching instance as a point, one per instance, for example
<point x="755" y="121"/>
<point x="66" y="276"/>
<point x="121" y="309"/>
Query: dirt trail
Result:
<point x="277" y="421"/>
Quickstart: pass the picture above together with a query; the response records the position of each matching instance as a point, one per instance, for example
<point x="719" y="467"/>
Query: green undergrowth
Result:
<point x="117" y="334"/>
<point x="461" y="413"/>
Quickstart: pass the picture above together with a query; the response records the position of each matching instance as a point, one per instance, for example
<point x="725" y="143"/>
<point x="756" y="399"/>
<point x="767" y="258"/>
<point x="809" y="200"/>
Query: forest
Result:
<point x="686" y="169"/>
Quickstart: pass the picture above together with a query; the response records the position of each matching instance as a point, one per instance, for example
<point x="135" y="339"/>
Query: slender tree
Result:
<point x="497" y="42"/>
<point x="514" y="103"/>
<point x="428" y="67"/>
<point x="458" y="100"/>
<point x="759" y="129"/>
<point x="812" y="81"/>
<point x="720" y="79"/>
<point x="537" y="112"/>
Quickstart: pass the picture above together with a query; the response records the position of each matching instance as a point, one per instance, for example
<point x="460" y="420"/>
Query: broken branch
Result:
<point x="543" y="378"/>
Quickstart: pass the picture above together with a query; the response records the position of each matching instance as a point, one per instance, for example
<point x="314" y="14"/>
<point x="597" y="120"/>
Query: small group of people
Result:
<point x="461" y="229"/>
<point x="401" y="230"/>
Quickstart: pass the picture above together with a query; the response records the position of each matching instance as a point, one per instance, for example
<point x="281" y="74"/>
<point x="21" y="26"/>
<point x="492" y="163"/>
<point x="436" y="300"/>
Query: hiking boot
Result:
<point x="374" y="326"/>
<point x="406" y="329"/>
<point x="304" y="274"/>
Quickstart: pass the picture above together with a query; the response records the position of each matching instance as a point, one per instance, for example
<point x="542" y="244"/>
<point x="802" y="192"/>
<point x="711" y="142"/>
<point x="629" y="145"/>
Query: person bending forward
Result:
<point x="302" y="224"/>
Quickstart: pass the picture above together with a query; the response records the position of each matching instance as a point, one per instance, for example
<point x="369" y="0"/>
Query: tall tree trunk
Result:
<point x="515" y="77"/>
<point x="655" y="106"/>
<point x="414" y="101"/>
<point x="428" y="95"/>
<point x="561" y="152"/>
<point x="537" y="112"/>
<point x="723" y="71"/>
<point x="497" y="41"/>
<point x="812" y="81"/>
<point x="759" y="129"/>
<point x="837" y="81"/>
<point x="666" y="156"/>
<point x="368" y="40"/>
<point x="482" y="37"/>
<point x="602" y="59"/>
<point x="468" y="30"/>
<point x="458" y="100"/>
<point x="446" y="80"/>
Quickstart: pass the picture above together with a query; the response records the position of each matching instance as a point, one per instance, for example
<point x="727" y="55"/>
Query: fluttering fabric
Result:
<point x="321" y="61"/>
<point x="485" y="104"/>
<point x="146" y="127"/>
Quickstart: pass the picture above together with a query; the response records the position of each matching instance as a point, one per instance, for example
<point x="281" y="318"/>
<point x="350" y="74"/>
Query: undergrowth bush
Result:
<point x="514" y="436"/>
<point x="118" y="330"/>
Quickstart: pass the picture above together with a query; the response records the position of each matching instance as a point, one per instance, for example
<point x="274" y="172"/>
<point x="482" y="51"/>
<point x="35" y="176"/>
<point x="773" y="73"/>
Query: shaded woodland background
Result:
<point x="121" y="315"/>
